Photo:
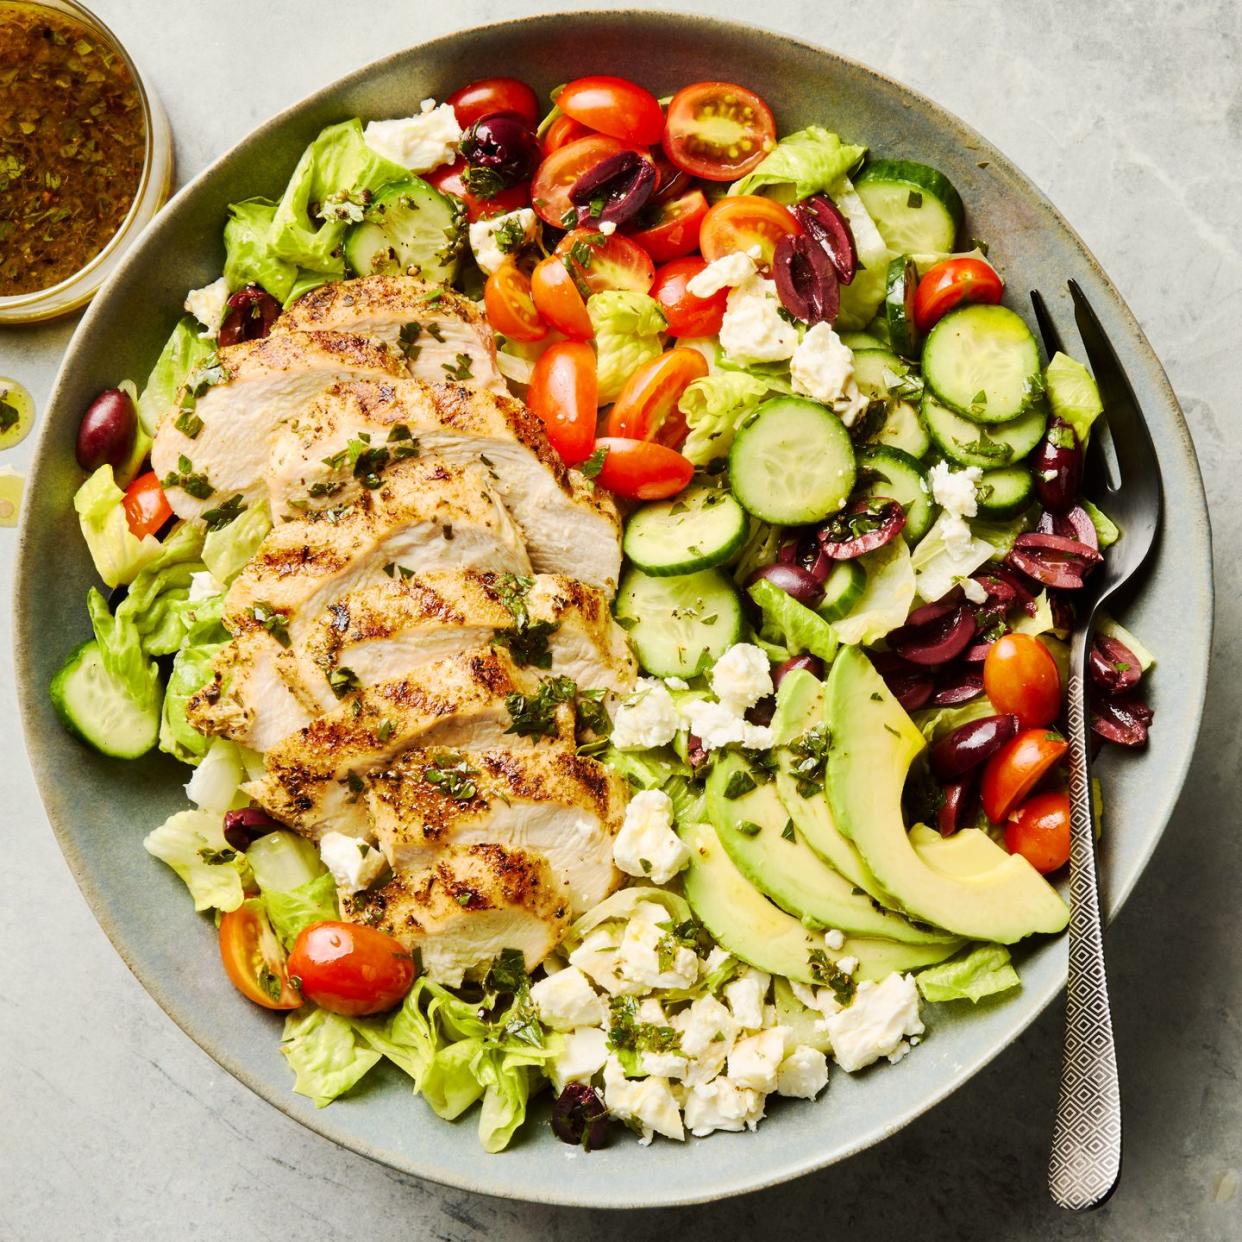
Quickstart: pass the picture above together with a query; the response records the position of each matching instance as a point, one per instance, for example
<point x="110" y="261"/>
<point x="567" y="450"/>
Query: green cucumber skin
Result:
<point x="705" y="558"/>
<point x="895" y="464"/>
<point x="438" y="269"/>
<point x="60" y="692"/>
<point x="899" y="292"/>
<point x="883" y="180"/>
<point x="1019" y="436"/>
<point x="844" y="587"/>
<point x="1016" y="485"/>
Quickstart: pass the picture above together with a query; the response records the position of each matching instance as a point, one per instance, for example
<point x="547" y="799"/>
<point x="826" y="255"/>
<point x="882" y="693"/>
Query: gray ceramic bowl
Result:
<point x="101" y="810"/>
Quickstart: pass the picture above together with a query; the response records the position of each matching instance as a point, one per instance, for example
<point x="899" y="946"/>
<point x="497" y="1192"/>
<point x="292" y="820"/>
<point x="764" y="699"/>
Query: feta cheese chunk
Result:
<point x="753" y="329"/>
<point x="582" y="1055"/>
<point x="354" y="863"/>
<point x="955" y="492"/>
<point x="722" y="1105"/>
<point x="876" y="1023"/>
<point x="974" y="591"/>
<point x="664" y="1064"/>
<point x="647" y="845"/>
<point x="597" y="958"/>
<point x="647" y="718"/>
<point x="492" y="239"/>
<point x="834" y="939"/>
<point x="745" y="995"/>
<point x="723" y="273"/>
<point x="419" y="143"/>
<point x="208" y="305"/>
<point x="716" y="726"/>
<point x="741" y="677"/>
<point x="803" y="1074"/>
<point x="203" y="585"/>
<point x="608" y="227"/>
<point x="566" y="1000"/>
<point x="753" y="1062"/>
<point x="822" y="367"/>
<point x="638" y="959"/>
<point x="647" y="1101"/>
<point x="704" y="1024"/>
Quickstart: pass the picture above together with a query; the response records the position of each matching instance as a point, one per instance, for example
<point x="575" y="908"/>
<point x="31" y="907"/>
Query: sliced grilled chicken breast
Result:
<point x="316" y="777"/>
<point x="551" y="801"/>
<point x="223" y="444"/>
<point x="443" y="334"/>
<point x="471" y="904"/>
<point x="569" y="526"/>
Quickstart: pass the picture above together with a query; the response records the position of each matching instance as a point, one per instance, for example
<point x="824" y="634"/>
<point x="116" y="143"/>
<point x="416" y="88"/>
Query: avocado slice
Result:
<point x="800" y="708"/>
<point x="781" y="865"/>
<point x="873" y="744"/>
<point x="749" y="926"/>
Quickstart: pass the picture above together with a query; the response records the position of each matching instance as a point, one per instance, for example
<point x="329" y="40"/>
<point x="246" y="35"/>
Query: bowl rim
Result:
<point x="425" y="1168"/>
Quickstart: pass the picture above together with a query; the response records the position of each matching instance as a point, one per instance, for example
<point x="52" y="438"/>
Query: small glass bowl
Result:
<point x="156" y="180"/>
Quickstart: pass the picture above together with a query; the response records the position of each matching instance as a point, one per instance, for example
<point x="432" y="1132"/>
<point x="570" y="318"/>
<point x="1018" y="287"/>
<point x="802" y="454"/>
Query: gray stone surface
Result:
<point x="1129" y="115"/>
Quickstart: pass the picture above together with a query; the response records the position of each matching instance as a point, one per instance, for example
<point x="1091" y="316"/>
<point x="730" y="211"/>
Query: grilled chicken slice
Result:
<point x="551" y="801"/>
<point x="442" y="333"/>
<point x="268" y="381"/>
<point x="316" y="777"/>
<point x="569" y="526"/>
<point x="388" y="629"/>
<point x="471" y="904"/>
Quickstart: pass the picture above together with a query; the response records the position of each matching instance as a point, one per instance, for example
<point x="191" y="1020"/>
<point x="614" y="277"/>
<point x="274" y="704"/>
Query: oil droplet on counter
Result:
<point x="16" y="412"/>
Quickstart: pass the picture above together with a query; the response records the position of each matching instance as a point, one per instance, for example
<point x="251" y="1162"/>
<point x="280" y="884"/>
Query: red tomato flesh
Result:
<point x="675" y="230"/>
<point x="488" y="95"/>
<point x="253" y="958"/>
<point x="614" y="106"/>
<point x="1021" y="678"/>
<point x="557" y="299"/>
<point x="1017" y="768"/>
<point x="1040" y="832"/>
<point x="555" y="177"/>
<point x="564" y="392"/>
<point x="146" y="507"/>
<point x="350" y="969"/>
<point x="510" y="307"/>
<point x="451" y="179"/>
<point x="951" y="283"/>
<point x="602" y="263"/>
<point x="687" y="314"/>
<point x="641" y="470"/>
<point x="646" y="407"/>
<point x="562" y="132"/>
<point x="745" y="223"/>
<point x="718" y="131"/>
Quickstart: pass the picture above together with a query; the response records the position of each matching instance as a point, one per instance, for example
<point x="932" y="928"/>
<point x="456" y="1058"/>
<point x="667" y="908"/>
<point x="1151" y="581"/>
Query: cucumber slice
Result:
<point x="903" y="429"/>
<point x="679" y="626"/>
<point x="409" y="225"/>
<point x="914" y="206"/>
<point x="968" y="444"/>
<point x="874" y="369"/>
<point x="701" y="528"/>
<point x="983" y="362"/>
<point x="96" y="708"/>
<point x="899" y="287"/>
<point x="843" y="588"/>
<point x="900" y="477"/>
<point x="1005" y="492"/>
<point x="792" y="463"/>
<point x="861" y="340"/>
<point x="878" y="328"/>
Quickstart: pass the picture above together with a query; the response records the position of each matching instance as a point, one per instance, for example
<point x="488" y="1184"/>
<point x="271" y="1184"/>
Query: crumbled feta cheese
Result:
<point x="648" y="1101"/>
<point x="203" y="585"/>
<point x="664" y="1064"/>
<point x="647" y="845"/>
<point x="822" y="367"/>
<point x="875" y="1024"/>
<point x="419" y="143"/>
<point x="583" y="1053"/>
<point x="677" y="683"/>
<point x="716" y="727"/>
<point x="974" y="591"/>
<point x="647" y="718"/>
<point x="715" y="959"/>
<point x="650" y="1010"/>
<point x="753" y="1062"/>
<point x="753" y="329"/>
<point x="355" y="864"/>
<point x="741" y="677"/>
<point x="566" y="1000"/>
<point x="638" y="959"/>
<point x="803" y="1074"/>
<point x="515" y="229"/>
<point x="954" y="490"/>
<point x="822" y="1000"/>
<point x="722" y="1105"/>
<point x="723" y="273"/>
<point x="608" y="227"/>
<point x="703" y="1024"/>
<point x="745" y="995"/>
<point x="208" y="305"/>
<point x="596" y="957"/>
<point x="834" y="939"/>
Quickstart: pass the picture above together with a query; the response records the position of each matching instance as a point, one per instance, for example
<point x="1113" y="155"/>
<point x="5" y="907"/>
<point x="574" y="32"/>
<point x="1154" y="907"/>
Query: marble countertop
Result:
<point x="116" y="1126"/>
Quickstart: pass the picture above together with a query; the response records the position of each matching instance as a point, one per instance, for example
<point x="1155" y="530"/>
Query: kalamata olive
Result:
<point x="911" y="686"/>
<point x="949" y="602"/>
<point x="959" y="797"/>
<point x="1058" y="467"/>
<point x="614" y="190"/>
<point x="1074" y="523"/>
<point x="823" y="222"/>
<point x="251" y="314"/>
<point x="971" y="744"/>
<point x="793" y="580"/>
<point x="976" y="653"/>
<point x="1053" y="560"/>
<point x="863" y="527"/>
<point x="1005" y="590"/>
<point x="1113" y="666"/>
<point x="934" y="642"/>
<point x="806" y="281"/>
<point x="761" y="713"/>
<point x="696" y="752"/>
<point x="1122" y="720"/>
<point x="959" y="686"/>
<point x="241" y="827"/>
<point x="579" y="1117"/>
<point x="1063" y="613"/>
<point x="504" y="144"/>
<point x="813" y="665"/>
<point x="107" y="431"/>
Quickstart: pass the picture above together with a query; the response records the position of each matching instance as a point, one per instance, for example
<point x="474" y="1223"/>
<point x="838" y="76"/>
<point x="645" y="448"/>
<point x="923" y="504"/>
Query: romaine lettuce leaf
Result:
<point x="214" y="784"/>
<point x="325" y="1053"/>
<point x="886" y="599"/>
<point x="1106" y="530"/>
<point x="119" y="555"/>
<point x="1072" y="394"/>
<point x="307" y="279"/>
<point x="938" y="722"/>
<point x="296" y="908"/>
<point x="790" y="624"/>
<point x="714" y="406"/>
<point x="248" y="254"/>
<point x="193" y="844"/>
<point x="939" y="567"/>
<point x="1041" y="623"/>
<point x="761" y="546"/>
<point x="983" y="971"/>
<point x="628" y="327"/>
<point x="801" y="164"/>
<point x="228" y="548"/>
<point x="191" y="671"/>
<point x="183" y="352"/>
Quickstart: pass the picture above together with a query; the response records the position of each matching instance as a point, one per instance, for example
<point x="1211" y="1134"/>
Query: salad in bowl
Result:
<point x="608" y="574"/>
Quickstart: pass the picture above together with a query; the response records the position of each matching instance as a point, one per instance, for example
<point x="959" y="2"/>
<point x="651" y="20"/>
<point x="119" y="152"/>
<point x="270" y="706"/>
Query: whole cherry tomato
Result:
<point x="951" y="283"/>
<point x="646" y="407"/>
<point x="1021" y="678"/>
<point x="489" y="95"/>
<point x="614" y="106"/>
<point x="564" y="392"/>
<point x="1040" y="832"/>
<point x="687" y="314"/>
<point x="1017" y="768"/>
<point x="510" y="307"/>
<point x="146" y="507"/>
<point x="561" y="133"/>
<point x="642" y="470"/>
<point x="555" y="177"/>
<point x="350" y="969"/>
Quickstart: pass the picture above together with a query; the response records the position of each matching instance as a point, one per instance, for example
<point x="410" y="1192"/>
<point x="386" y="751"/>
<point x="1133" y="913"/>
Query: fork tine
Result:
<point x="1048" y="329"/>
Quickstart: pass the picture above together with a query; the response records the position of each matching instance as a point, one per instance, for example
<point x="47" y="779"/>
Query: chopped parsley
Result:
<point x="463" y="369"/>
<point x="741" y="782"/>
<point x="275" y="622"/>
<point x="627" y="1033"/>
<point x="509" y="235"/>
<point x="188" y="479"/>
<point x="452" y="775"/>
<point x="343" y="681"/>
<point x="528" y="644"/>
<point x="810" y="752"/>
<point x="591" y="716"/>
<point x="827" y="972"/>
<point x="483" y="182"/>
<point x="595" y="463"/>
<point x="534" y="715"/>
<point x="229" y="511"/>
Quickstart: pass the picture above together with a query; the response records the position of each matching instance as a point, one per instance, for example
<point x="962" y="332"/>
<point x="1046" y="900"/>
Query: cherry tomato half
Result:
<point x="555" y="177"/>
<point x="614" y="106"/>
<point x="675" y="230"/>
<point x="253" y="958"/>
<point x="951" y="283"/>
<point x="718" y="131"/>
<point x="1021" y="678"/>
<point x="510" y="308"/>
<point x="1040" y="832"/>
<point x="642" y="470"/>
<point x="351" y="969"/>
<point x="602" y="263"/>
<point x="489" y="95"/>
<point x="687" y="314"/>
<point x="564" y="392"/>
<point x="561" y="133"/>
<point x="146" y="506"/>
<point x="451" y="179"/>
<point x="1017" y="768"/>
<point x="557" y="299"/>
<point x="646" y="407"/>
<point x="747" y="223"/>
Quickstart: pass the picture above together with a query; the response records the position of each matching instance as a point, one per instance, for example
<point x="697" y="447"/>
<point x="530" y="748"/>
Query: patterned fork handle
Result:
<point x="1086" y="1144"/>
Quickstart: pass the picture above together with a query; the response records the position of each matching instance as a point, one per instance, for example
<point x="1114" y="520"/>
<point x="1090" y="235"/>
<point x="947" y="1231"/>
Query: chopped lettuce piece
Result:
<point x="307" y="280"/>
<point x="863" y="296"/>
<point x="940" y="566"/>
<point x="193" y="844"/>
<point x="621" y="906"/>
<point x="761" y="546"/>
<point x="714" y="406"/>
<point x="227" y="549"/>
<point x="983" y="971"/>
<point x="938" y="722"/>
<point x="1114" y="629"/>
<point x="886" y="599"/>
<point x="790" y="624"/>
<point x="628" y="330"/>
<point x="1041" y="623"/>
<point x="119" y="555"/>
<point x="1072" y="394"/>
<point x="295" y="908"/>
<point x="801" y="164"/>
<point x="248" y="254"/>
<point x="868" y="243"/>
<point x="506" y="1080"/>
<point x="325" y="1054"/>
<point x="663" y="769"/>
<point x="214" y="784"/>
<point x="183" y="352"/>
<point x="191" y="671"/>
<point x="1106" y="530"/>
